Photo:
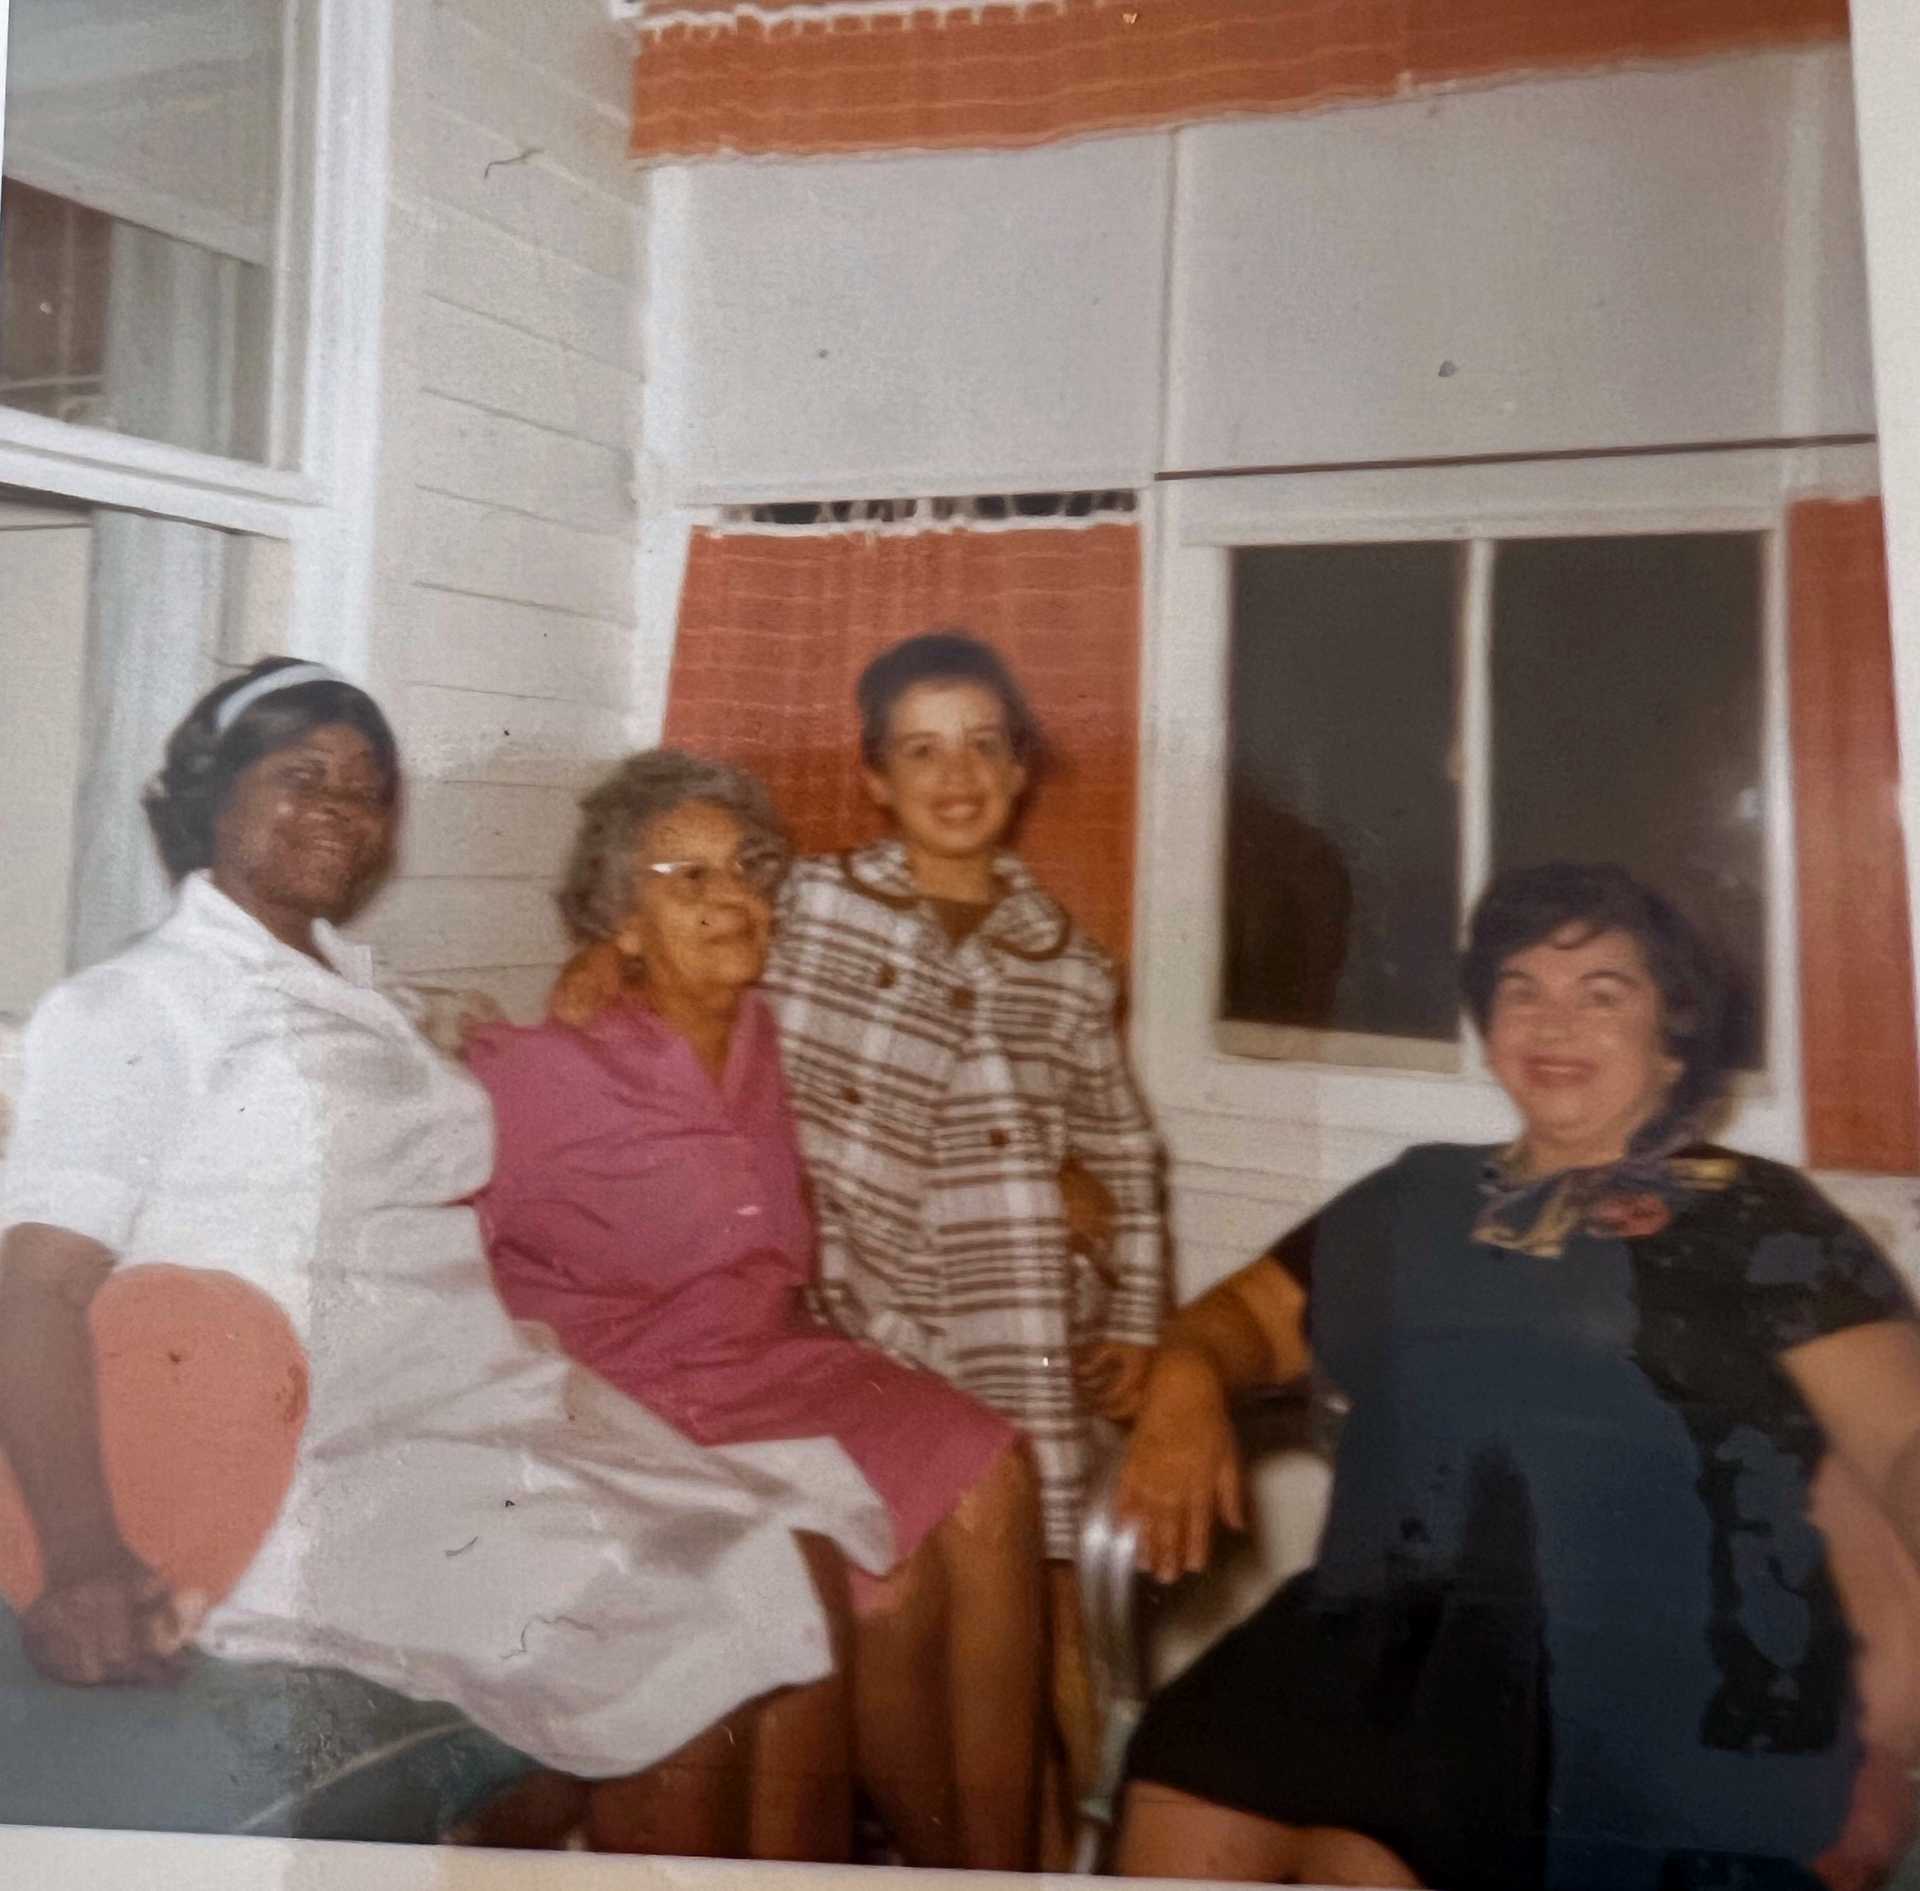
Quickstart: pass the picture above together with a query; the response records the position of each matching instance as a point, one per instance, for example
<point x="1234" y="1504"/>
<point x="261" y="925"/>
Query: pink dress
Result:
<point x="658" y="1224"/>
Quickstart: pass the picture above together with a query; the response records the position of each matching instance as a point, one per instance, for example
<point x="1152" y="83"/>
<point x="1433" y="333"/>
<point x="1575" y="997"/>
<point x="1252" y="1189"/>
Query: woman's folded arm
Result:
<point x="103" y="1615"/>
<point x="1183" y="1464"/>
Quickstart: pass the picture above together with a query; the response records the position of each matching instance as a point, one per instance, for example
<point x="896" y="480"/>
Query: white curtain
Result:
<point x="155" y="605"/>
<point x="152" y="618"/>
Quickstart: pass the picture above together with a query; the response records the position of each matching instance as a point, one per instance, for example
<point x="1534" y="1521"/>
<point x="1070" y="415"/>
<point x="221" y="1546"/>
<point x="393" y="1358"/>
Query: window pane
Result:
<point x="111" y="623"/>
<point x="138" y="218"/>
<point x="1342" y="824"/>
<point x="1626" y="707"/>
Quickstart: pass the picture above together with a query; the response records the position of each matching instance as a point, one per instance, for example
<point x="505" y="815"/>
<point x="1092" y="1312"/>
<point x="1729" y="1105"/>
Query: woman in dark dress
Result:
<point x="1571" y="1623"/>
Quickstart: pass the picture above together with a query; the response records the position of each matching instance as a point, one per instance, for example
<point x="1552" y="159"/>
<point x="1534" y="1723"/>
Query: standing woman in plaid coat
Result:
<point x="953" y="1060"/>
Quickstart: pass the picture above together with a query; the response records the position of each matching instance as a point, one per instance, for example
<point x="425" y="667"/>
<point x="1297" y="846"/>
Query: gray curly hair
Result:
<point x="597" y="895"/>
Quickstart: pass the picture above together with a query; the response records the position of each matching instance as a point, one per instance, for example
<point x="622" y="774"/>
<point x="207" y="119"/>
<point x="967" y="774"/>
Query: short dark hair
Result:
<point x="1525" y="906"/>
<point x="203" y="761"/>
<point x="597" y="895"/>
<point x="942" y="656"/>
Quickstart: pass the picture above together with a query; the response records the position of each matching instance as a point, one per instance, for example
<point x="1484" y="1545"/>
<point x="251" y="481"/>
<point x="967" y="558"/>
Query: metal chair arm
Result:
<point x="1296" y="1416"/>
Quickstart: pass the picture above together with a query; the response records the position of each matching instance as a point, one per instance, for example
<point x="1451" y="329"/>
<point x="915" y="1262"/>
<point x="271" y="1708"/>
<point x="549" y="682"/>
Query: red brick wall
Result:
<point x="1856" y="966"/>
<point x="774" y="628"/>
<point x="1003" y="75"/>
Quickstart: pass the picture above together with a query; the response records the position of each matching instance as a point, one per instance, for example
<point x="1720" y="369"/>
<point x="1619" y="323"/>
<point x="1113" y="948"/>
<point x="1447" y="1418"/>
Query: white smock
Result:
<point x="472" y="1518"/>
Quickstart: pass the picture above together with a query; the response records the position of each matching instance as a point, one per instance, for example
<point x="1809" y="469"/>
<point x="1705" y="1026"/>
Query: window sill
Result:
<point x="1351" y="1050"/>
<point x="108" y="468"/>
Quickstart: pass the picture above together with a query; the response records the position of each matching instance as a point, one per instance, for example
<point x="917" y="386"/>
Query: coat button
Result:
<point x="886" y="978"/>
<point x="998" y="1139"/>
<point x="960" y="998"/>
<point x="849" y="1095"/>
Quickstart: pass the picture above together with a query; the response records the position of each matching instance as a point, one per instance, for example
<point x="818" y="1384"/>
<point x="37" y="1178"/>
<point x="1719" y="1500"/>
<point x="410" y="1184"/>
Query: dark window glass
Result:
<point x="53" y="299"/>
<point x="1342" y="892"/>
<point x="1627" y="683"/>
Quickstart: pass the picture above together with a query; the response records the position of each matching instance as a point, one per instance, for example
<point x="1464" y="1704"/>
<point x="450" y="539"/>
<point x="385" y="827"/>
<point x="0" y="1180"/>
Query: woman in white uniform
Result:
<point x="469" y="1522"/>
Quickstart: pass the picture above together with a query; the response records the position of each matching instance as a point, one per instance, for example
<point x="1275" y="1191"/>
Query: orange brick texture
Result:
<point x="1862" y="1070"/>
<point x="1008" y="76"/>
<point x="774" y="630"/>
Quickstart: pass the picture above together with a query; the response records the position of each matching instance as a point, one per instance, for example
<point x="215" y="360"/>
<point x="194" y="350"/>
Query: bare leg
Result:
<point x="1169" y="1834"/>
<point x="947" y="1688"/>
<point x="537" y="1813"/>
<point x="800" y="1792"/>
<point x="1331" y="1856"/>
<point x="996" y="1637"/>
<point x="901" y="1686"/>
<point x="692" y="1804"/>
<point x="1059" y="1816"/>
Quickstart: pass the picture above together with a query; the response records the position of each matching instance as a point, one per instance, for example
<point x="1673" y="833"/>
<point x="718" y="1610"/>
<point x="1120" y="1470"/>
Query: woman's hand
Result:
<point x="589" y="983"/>
<point x="116" y="1621"/>
<point x="1088" y="1205"/>
<point x="1111" y="1377"/>
<point x="1182" y="1467"/>
<point x="450" y="1017"/>
<point x="104" y="1615"/>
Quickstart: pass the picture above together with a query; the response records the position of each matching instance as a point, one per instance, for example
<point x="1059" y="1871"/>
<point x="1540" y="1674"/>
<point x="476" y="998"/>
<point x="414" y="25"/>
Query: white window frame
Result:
<point x="336" y="108"/>
<point x="1322" y="1123"/>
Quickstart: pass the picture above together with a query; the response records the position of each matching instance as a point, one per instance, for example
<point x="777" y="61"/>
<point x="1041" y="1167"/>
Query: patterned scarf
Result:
<point x="1638" y="1195"/>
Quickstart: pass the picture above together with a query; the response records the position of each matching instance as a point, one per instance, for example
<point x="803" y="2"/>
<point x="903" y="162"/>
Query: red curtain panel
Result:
<point x="775" y="627"/>
<point x="1862" y="1074"/>
<point x="714" y="78"/>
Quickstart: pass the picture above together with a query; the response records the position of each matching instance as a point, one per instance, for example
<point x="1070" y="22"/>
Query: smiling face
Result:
<point x="700" y="935"/>
<point x="1576" y="1038"/>
<point x="949" y="777"/>
<point x="303" y="830"/>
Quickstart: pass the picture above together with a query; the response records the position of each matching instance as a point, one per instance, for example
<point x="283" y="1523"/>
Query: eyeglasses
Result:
<point x="758" y="870"/>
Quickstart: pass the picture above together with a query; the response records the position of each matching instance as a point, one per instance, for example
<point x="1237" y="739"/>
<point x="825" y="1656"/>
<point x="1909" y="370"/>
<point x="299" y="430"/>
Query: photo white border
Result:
<point x="44" y="1858"/>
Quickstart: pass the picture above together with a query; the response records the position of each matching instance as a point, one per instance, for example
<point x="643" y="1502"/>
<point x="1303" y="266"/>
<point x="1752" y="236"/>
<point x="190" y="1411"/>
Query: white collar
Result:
<point x="1026" y="921"/>
<point x="202" y="905"/>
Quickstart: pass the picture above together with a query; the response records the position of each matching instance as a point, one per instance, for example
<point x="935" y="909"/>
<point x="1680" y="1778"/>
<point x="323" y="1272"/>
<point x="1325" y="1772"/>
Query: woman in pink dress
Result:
<point x="648" y="1204"/>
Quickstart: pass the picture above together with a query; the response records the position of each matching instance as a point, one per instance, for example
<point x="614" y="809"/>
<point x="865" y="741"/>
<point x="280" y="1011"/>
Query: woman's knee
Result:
<point x="1333" y="1855"/>
<point x="1002" y="1506"/>
<point x="1166" y="1833"/>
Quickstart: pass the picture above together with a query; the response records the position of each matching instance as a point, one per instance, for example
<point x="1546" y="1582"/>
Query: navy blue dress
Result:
<point x="1570" y="1625"/>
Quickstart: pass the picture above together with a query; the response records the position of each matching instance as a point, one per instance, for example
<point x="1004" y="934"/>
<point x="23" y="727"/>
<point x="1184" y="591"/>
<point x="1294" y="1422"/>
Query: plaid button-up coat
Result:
<point x="939" y="1089"/>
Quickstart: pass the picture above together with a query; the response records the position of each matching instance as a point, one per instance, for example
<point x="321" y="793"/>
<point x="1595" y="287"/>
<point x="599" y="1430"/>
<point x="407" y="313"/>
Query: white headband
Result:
<point x="291" y="676"/>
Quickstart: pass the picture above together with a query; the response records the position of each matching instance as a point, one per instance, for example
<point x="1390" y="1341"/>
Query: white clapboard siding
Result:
<point x="516" y="649"/>
<point x="435" y="925"/>
<point x="519" y="990"/>
<point x="503" y="179"/>
<point x="507" y="370"/>
<point x="507" y="517"/>
<point x="474" y="735"/>
<point x="498" y="459"/>
<point x="1222" y="1218"/>
<point x="587" y="51"/>
<point x="472" y="75"/>
<point x="488" y="830"/>
<point x="479" y="266"/>
<point x="495" y="553"/>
